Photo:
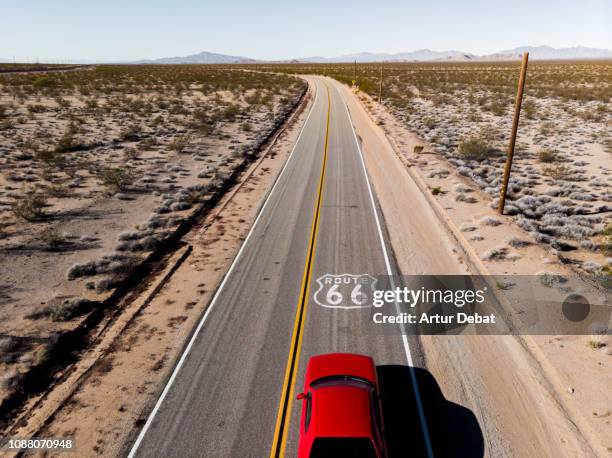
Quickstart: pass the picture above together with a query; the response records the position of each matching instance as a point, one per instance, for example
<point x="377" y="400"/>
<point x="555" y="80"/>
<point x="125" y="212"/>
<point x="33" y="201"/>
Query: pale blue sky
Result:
<point x="271" y="29"/>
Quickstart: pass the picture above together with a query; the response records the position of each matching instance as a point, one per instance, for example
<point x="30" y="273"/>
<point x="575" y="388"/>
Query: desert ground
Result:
<point x="101" y="168"/>
<point x="106" y="188"/>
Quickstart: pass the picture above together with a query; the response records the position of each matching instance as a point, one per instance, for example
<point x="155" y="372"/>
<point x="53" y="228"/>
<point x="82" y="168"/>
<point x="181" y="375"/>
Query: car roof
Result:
<point x="342" y="410"/>
<point x="348" y="364"/>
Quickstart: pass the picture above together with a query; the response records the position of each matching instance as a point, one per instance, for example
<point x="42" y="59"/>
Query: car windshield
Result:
<point x="343" y="379"/>
<point x="354" y="447"/>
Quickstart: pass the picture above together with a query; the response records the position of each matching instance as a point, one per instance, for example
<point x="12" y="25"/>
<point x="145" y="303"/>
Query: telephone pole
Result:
<point x="380" y="84"/>
<point x="515" y="122"/>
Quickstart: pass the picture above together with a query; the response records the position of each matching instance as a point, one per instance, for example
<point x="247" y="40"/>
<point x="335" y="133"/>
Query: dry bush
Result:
<point x="557" y="172"/>
<point x="67" y="141"/>
<point x="51" y="238"/>
<point x="31" y="207"/>
<point x="180" y="143"/>
<point x="115" y="178"/>
<point x="474" y="147"/>
<point x="546" y="155"/>
<point x="529" y="109"/>
<point x="607" y="239"/>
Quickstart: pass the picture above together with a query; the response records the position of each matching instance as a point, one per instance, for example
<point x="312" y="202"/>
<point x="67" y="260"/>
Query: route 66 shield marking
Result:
<point x="345" y="291"/>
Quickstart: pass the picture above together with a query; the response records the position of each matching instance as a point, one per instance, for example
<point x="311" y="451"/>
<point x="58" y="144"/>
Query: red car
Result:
<point x="341" y="414"/>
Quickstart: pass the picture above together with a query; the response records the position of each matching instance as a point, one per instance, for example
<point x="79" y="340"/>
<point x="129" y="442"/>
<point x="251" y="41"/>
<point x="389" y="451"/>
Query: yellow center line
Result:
<point x="284" y="410"/>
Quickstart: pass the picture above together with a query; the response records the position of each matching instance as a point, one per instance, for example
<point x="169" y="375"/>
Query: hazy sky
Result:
<point x="271" y="29"/>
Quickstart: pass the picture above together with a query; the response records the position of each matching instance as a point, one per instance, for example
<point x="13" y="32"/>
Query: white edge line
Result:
<point x="178" y="366"/>
<point x="417" y="394"/>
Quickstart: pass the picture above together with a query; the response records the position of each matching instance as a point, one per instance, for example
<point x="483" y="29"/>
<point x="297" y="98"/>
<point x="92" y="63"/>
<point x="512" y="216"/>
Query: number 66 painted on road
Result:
<point x="345" y="291"/>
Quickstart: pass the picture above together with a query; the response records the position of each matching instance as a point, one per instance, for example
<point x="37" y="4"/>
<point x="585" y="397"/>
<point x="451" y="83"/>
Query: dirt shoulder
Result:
<point x="106" y="398"/>
<point x="532" y="395"/>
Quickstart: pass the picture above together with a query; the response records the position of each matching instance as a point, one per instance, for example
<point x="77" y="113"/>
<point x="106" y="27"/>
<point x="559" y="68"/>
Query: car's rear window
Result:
<point x="334" y="447"/>
<point x="341" y="379"/>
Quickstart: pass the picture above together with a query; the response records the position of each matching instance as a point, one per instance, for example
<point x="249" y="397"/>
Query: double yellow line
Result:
<point x="284" y="410"/>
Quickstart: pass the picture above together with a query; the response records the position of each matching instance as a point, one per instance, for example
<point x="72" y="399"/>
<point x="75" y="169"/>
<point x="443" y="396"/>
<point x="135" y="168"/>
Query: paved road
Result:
<point x="230" y="395"/>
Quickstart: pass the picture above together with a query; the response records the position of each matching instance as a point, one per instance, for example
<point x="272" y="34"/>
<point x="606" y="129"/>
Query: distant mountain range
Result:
<point x="200" y="58"/>
<point x="535" y="52"/>
<point x="549" y="53"/>
<point x="420" y="55"/>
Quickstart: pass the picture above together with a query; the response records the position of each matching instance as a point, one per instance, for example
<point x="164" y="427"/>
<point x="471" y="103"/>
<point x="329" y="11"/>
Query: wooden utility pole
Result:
<point x="380" y="86"/>
<point x="515" y="122"/>
<point x="355" y="72"/>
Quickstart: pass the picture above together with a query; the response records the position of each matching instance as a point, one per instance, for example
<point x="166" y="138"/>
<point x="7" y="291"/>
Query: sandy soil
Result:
<point x="533" y="395"/>
<point x="103" y="408"/>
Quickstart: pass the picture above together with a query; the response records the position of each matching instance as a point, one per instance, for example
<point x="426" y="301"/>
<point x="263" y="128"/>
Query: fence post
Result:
<point x="515" y="121"/>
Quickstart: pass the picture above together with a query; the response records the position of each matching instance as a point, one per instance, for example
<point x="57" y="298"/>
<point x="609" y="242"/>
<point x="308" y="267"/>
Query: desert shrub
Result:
<point x="130" y="153"/>
<point x="10" y="379"/>
<point x="557" y="172"/>
<point x="31" y="207"/>
<point x="36" y="108"/>
<point x="115" y="178"/>
<point x="529" y="109"/>
<point x="607" y="239"/>
<point x="43" y="82"/>
<point x="115" y="263"/>
<point x="147" y="142"/>
<point x="490" y="221"/>
<point x="429" y="122"/>
<point x="62" y="102"/>
<point x="551" y="279"/>
<point x="8" y="344"/>
<point x="51" y="238"/>
<point x="547" y="156"/>
<point x="497" y="253"/>
<point x="82" y="270"/>
<point x="67" y="141"/>
<point x="547" y="128"/>
<point x="65" y="310"/>
<point x="58" y="190"/>
<point x="517" y="242"/>
<point x="497" y="108"/>
<point x="474" y="147"/>
<point x="130" y="133"/>
<point x="179" y="143"/>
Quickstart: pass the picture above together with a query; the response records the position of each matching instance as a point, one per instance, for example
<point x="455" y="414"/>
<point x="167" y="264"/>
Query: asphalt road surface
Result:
<point x="232" y="393"/>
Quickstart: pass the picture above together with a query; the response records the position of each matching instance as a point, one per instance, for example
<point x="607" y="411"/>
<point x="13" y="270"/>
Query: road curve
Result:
<point x="224" y="398"/>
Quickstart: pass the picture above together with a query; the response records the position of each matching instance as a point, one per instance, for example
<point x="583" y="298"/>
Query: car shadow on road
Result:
<point x="454" y="429"/>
